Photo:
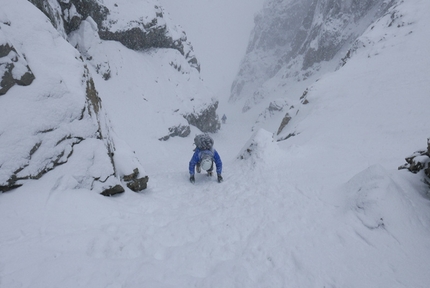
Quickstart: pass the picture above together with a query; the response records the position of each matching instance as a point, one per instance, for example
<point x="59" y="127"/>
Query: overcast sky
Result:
<point x="219" y="32"/>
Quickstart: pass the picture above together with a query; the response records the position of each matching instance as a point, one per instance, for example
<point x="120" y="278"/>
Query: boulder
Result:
<point x="117" y="189"/>
<point x="135" y="183"/>
<point x="13" y="67"/>
<point x="180" y="130"/>
<point x="138" y="184"/>
<point x="206" y="119"/>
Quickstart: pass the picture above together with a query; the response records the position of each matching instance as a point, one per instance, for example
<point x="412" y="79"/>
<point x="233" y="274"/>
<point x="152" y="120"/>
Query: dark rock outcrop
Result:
<point x="418" y="161"/>
<point x="138" y="184"/>
<point x="284" y="123"/>
<point x="180" y="130"/>
<point x="14" y="67"/>
<point x="135" y="182"/>
<point x="117" y="189"/>
<point x="206" y="119"/>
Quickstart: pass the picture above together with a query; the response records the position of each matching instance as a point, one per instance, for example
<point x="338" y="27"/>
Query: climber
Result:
<point x="223" y="119"/>
<point x="204" y="157"/>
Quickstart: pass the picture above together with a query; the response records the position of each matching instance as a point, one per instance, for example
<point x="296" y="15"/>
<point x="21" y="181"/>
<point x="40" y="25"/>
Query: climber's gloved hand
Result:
<point x="219" y="178"/>
<point x="192" y="179"/>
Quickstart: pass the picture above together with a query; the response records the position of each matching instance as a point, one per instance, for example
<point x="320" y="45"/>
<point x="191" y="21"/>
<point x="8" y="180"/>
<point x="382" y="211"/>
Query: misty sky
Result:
<point x="219" y="32"/>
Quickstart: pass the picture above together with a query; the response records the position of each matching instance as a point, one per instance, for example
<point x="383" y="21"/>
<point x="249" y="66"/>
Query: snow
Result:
<point x="325" y="208"/>
<point x="129" y="11"/>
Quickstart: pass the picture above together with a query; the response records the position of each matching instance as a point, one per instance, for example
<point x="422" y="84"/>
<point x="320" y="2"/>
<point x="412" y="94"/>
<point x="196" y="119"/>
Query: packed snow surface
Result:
<point x="325" y="208"/>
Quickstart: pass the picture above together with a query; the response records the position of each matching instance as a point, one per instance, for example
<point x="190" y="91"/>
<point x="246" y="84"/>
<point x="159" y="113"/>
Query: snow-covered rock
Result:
<point x="59" y="118"/>
<point x="157" y="80"/>
<point x="150" y="36"/>
<point x="419" y="162"/>
<point x="260" y="149"/>
<point x="13" y="66"/>
<point x="144" y="28"/>
<point x="375" y="48"/>
<point x="205" y="117"/>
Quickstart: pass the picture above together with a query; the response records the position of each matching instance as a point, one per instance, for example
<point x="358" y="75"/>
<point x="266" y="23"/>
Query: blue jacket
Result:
<point x="197" y="156"/>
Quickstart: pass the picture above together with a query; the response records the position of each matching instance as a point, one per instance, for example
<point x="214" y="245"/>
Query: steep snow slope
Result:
<point x="315" y="210"/>
<point x="375" y="105"/>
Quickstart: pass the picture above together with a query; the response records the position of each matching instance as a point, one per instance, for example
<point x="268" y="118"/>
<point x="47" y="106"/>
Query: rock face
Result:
<point x="56" y="123"/>
<point x="137" y="33"/>
<point x="292" y="39"/>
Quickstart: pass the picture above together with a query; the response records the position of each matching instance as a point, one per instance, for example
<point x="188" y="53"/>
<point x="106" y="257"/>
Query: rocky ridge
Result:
<point x="293" y="40"/>
<point x="390" y="22"/>
<point x="137" y="34"/>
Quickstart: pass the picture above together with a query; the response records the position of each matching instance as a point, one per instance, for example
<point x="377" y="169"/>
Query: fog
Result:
<point x="214" y="27"/>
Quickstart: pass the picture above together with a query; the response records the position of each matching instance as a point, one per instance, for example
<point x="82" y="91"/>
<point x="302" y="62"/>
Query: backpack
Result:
<point x="206" y="159"/>
<point x="203" y="142"/>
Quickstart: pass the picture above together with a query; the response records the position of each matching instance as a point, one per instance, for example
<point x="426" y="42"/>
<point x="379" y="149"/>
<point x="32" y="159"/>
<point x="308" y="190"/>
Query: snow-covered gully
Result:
<point x="326" y="207"/>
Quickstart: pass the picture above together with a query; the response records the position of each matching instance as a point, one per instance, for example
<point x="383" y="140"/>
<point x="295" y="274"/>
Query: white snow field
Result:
<point x="325" y="208"/>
